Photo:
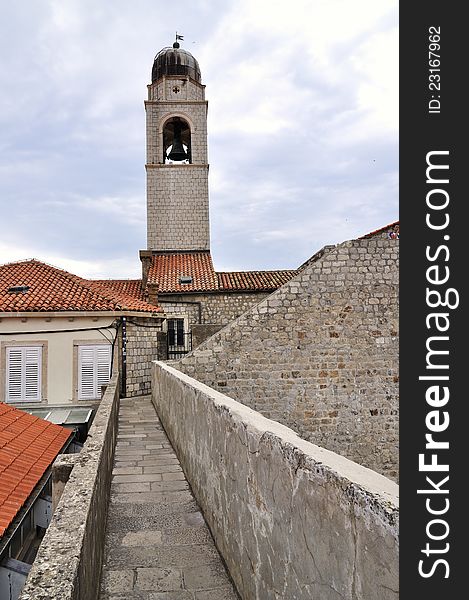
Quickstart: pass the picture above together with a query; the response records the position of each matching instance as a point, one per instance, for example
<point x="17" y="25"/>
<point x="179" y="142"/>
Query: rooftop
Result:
<point x="175" y="61"/>
<point x="34" y="286"/>
<point x="28" y="445"/>
<point x="130" y="287"/>
<point x="167" y="269"/>
<point x="391" y="231"/>
<point x="170" y="270"/>
<point x="254" y="280"/>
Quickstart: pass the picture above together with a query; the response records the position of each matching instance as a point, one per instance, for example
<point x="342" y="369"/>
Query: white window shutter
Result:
<point x="93" y="370"/>
<point x="23" y="381"/>
<point x="32" y="373"/>
<point x="14" y="374"/>
<point x="86" y="372"/>
<point x="103" y="364"/>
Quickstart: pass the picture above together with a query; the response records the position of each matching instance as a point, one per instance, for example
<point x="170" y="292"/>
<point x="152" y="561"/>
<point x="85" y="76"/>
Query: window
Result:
<point x="94" y="365"/>
<point x="23" y="373"/>
<point x="175" y="332"/>
<point x="179" y="340"/>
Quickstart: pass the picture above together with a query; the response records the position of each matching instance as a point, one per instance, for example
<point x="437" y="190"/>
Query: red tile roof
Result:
<point x="392" y="227"/>
<point x="166" y="270"/>
<point x="28" y="445"/>
<point x="52" y="289"/>
<point x="131" y="298"/>
<point x="254" y="280"/>
<point x="130" y="287"/>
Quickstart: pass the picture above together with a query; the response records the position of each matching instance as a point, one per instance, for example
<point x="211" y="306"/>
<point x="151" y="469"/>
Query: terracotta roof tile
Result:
<point x="51" y="289"/>
<point x="166" y="270"/>
<point x="254" y="280"/>
<point x="129" y="287"/>
<point x="392" y="228"/>
<point x="28" y="445"/>
<point x="125" y="300"/>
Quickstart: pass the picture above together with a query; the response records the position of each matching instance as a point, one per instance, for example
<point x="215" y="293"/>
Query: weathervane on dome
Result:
<point x="178" y="37"/>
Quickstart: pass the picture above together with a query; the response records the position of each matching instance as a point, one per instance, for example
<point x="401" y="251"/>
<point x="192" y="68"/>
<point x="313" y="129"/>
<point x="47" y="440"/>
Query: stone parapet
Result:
<point x="291" y="519"/>
<point x="68" y="564"/>
<point x="60" y="472"/>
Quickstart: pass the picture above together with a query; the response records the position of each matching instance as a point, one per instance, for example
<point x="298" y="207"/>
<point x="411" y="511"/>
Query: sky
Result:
<point x="302" y="121"/>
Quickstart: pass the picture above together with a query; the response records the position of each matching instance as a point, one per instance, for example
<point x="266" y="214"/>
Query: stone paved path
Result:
<point x="158" y="546"/>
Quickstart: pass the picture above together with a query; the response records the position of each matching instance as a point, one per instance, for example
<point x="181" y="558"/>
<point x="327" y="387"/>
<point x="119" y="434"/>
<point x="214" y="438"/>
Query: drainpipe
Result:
<point x="124" y="357"/>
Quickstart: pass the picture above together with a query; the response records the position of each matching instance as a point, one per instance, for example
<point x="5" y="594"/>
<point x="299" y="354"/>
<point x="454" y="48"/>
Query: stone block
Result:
<point x="282" y="511"/>
<point x="158" y="579"/>
<point x="339" y="309"/>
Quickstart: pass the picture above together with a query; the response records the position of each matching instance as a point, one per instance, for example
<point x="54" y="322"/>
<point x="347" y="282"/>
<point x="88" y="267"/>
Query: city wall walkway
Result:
<point x="158" y="546"/>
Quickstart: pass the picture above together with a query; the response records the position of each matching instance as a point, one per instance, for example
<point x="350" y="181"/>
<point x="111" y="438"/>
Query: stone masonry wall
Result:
<point x="200" y="333"/>
<point x="187" y="89"/>
<point x="177" y="194"/>
<point x="175" y="309"/>
<point x="177" y="207"/>
<point x="320" y="354"/>
<point x="142" y="349"/>
<point x="216" y="309"/>
<point x="194" y="112"/>
<point x="291" y="520"/>
<point x="224" y="308"/>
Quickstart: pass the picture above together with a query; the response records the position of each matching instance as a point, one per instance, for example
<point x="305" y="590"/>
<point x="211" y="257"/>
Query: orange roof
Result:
<point x="48" y="288"/>
<point x="166" y="270"/>
<point x="254" y="280"/>
<point x="131" y="298"/>
<point x="378" y="232"/>
<point x="130" y="287"/>
<point x="28" y="445"/>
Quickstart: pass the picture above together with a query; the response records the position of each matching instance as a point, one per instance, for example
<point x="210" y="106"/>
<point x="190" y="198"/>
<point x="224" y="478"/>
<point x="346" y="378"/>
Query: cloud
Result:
<point x="302" y="125"/>
<point x="112" y="268"/>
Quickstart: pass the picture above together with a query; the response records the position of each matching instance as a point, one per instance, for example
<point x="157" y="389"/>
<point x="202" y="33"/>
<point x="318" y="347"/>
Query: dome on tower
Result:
<point x="175" y="61"/>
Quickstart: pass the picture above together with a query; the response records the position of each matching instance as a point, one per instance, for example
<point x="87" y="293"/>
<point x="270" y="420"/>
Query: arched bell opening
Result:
<point x="176" y="141"/>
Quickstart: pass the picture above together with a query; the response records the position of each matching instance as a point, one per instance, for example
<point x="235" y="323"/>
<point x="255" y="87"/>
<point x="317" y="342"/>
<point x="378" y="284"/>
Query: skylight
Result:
<point x="18" y="289"/>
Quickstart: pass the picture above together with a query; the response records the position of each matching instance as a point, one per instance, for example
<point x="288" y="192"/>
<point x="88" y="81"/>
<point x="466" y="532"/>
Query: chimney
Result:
<point x="145" y="257"/>
<point x="152" y="289"/>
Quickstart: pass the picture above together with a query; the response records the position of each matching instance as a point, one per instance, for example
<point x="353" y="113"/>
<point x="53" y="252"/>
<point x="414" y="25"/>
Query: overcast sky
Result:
<point x="303" y="126"/>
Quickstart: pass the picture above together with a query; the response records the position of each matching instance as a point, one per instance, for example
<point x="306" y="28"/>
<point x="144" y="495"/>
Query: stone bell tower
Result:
<point x="177" y="164"/>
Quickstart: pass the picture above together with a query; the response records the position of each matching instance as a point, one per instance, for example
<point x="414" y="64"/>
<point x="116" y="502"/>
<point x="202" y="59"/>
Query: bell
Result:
<point x="177" y="151"/>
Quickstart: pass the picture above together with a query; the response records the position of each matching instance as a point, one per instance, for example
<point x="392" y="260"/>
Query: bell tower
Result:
<point x="177" y="163"/>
